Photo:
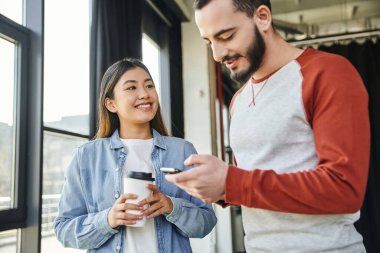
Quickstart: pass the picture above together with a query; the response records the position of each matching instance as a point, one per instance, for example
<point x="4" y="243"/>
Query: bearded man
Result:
<point x="299" y="132"/>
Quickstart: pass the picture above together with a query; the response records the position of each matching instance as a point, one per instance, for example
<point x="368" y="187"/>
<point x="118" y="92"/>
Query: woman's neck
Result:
<point x="135" y="132"/>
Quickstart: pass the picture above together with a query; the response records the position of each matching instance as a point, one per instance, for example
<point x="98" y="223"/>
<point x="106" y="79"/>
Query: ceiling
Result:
<point x="298" y="19"/>
<point x="310" y="18"/>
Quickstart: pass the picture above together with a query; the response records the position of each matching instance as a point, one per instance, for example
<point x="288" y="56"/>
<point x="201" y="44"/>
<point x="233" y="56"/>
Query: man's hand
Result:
<point x="206" y="181"/>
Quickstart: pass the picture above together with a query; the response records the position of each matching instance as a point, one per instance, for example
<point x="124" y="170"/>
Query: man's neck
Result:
<point x="278" y="53"/>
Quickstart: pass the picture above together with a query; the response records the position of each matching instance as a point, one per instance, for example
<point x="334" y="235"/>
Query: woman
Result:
<point x="131" y="136"/>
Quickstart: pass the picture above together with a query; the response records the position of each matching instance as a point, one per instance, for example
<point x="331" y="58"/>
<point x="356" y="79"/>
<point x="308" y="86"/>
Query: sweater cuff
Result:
<point x="235" y="183"/>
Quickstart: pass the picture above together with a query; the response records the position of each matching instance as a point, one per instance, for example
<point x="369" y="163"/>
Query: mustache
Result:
<point x="230" y="57"/>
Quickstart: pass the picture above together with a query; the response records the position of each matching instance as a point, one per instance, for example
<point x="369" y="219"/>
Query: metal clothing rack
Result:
<point x="336" y="38"/>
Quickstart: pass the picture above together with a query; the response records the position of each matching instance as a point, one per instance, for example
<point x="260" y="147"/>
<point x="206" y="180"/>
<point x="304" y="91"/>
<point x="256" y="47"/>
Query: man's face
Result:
<point x="233" y="37"/>
<point x="254" y="55"/>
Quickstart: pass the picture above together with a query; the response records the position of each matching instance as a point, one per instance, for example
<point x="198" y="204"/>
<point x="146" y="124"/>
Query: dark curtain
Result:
<point x="366" y="58"/>
<point x="116" y="33"/>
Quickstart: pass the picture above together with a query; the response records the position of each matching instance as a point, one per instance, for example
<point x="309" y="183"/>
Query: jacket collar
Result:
<point x="158" y="140"/>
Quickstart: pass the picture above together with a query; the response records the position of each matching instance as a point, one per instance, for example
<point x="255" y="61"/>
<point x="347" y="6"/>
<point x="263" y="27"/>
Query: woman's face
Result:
<point x="135" y="98"/>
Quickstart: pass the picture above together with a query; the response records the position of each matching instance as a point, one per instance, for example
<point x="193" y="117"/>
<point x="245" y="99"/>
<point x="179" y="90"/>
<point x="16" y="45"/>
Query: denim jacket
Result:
<point x="93" y="183"/>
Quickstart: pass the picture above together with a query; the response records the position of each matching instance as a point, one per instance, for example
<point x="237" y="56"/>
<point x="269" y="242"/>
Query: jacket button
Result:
<point x="118" y="248"/>
<point x="116" y="195"/>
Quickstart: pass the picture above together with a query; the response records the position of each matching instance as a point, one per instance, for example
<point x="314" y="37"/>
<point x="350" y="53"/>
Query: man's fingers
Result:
<point x="197" y="159"/>
<point x="181" y="177"/>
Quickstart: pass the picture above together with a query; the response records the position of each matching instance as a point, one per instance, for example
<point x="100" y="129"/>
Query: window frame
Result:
<point x="13" y="32"/>
<point x="158" y="23"/>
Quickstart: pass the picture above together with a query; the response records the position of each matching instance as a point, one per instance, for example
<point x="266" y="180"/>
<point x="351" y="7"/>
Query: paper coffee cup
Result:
<point x="136" y="183"/>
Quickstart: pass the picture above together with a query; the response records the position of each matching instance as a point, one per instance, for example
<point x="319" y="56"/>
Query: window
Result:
<point x="12" y="9"/>
<point x="8" y="241"/>
<point x="66" y="103"/>
<point x="151" y="59"/>
<point x="66" y="75"/>
<point x="14" y="43"/>
<point x="7" y="124"/>
<point x="58" y="151"/>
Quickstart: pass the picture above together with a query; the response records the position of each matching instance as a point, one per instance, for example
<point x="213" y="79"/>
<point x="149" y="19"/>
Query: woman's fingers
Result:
<point x="119" y="215"/>
<point x="156" y="213"/>
<point x="124" y="197"/>
<point x="127" y="222"/>
<point x="162" y="206"/>
<point x="152" y="208"/>
<point x="128" y="216"/>
<point x="153" y="188"/>
<point x="152" y="197"/>
<point x="127" y="206"/>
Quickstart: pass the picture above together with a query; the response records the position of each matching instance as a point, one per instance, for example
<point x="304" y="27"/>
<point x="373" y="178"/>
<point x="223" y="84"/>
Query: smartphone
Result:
<point x="168" y="170"/>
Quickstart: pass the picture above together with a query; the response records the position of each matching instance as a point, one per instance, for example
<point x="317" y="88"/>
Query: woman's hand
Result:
<point x="158" y="203"/>
<point x="118" y="216"/>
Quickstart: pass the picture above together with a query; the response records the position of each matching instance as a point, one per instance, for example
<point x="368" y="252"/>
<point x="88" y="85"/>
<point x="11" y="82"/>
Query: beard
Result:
<point x="255" y="54"/>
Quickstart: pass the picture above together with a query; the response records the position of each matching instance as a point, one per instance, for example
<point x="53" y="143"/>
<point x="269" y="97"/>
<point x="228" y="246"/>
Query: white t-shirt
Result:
<point x="140" y="239"/>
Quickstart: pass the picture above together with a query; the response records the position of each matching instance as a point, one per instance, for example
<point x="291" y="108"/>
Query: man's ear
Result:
<point x="110" y="105"/>
<point x="263" y="18"/>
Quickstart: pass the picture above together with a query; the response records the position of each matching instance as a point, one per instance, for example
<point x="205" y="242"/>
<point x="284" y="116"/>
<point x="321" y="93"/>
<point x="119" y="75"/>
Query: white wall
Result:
<point x="196" y="88"/>
<point x="197" y="119"/>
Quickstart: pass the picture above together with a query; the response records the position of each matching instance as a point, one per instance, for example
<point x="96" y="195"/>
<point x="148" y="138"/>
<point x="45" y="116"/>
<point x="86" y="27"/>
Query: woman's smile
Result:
<point x="144" y="106"/>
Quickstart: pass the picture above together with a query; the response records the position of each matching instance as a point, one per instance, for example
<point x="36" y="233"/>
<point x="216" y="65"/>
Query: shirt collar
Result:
<point x="158" y="140"/>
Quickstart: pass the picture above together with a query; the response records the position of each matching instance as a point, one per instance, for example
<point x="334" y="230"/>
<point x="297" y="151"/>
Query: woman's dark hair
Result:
<point x="247" y="6"/>
<point x="108" y="121"/>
